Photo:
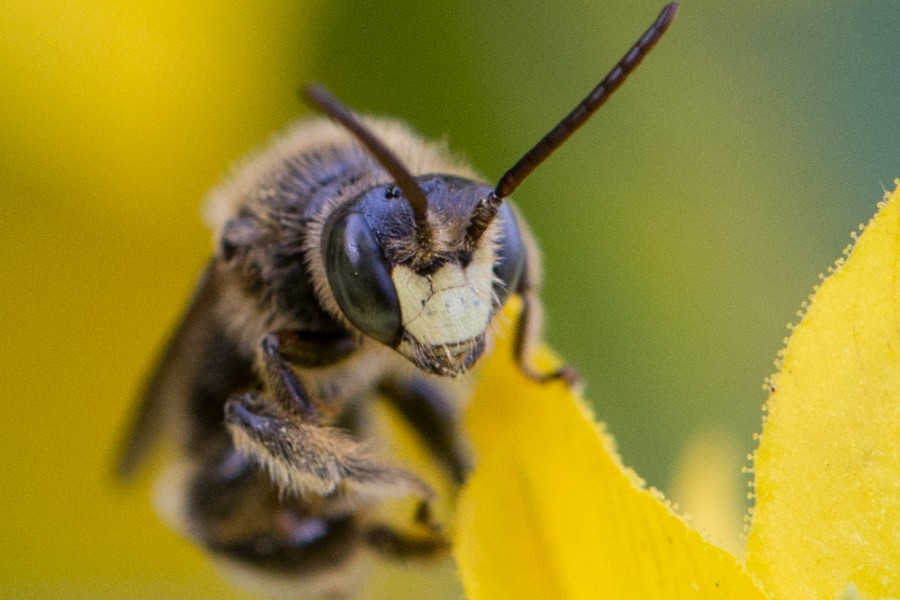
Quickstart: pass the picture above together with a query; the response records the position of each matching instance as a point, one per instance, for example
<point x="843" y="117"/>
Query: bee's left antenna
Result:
<point x="319" y="96"/>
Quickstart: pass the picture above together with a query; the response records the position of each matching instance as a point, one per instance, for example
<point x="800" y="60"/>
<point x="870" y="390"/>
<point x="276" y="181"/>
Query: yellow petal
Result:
<point x="827" y="516"/>
<point x="550" y="512"/>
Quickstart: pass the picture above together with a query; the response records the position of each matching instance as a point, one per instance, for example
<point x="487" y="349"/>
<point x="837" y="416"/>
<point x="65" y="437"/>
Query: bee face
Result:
<point x="433" y="304"/>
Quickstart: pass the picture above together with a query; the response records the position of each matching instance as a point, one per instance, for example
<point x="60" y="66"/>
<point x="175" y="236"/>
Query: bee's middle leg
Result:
<point x="281" y="431"/>
<point x="432" y="414"/>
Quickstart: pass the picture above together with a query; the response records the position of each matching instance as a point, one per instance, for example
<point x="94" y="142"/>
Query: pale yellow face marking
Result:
<point x="453" y="305"/>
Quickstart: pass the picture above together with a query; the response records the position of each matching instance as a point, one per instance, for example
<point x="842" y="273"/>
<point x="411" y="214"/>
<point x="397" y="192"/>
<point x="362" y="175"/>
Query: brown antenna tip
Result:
<point x="587" y="107"/>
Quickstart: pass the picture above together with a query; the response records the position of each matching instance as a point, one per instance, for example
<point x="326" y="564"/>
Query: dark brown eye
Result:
<point x="360" y="279"/>
<point x="511" y="255"/>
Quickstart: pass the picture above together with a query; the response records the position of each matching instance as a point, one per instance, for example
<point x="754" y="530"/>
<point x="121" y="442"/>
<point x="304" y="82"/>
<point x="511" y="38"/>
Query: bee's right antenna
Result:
<point x="486" y="209"/>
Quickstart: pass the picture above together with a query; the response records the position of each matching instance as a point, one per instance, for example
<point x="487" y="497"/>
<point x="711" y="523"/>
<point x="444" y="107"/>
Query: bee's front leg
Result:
<point x="528" y="326"/>
<point x="280" y="429"/>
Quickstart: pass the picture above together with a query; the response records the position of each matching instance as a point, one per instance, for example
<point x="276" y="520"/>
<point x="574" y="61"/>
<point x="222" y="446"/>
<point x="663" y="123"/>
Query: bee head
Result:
<point x="422" y="264"/>
<point x="426" y="285"/>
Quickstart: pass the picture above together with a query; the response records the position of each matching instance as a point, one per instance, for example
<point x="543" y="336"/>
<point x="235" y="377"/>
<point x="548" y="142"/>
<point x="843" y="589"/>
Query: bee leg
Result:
<point x="431" y="414"/>
<point x="391" y="542"/>
<point x="528" y="329"/>
<point x="282" y="433"/>
<point x="310" y="348"/>
<point x="305" y="458"/>
<point x="282" y="380"/>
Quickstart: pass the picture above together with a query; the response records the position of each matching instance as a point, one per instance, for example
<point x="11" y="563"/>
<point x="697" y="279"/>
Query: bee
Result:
<point x="355" y="262"/>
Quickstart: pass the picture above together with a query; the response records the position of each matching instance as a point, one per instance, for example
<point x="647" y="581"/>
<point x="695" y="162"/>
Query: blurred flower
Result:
<point x="706" y="488"/>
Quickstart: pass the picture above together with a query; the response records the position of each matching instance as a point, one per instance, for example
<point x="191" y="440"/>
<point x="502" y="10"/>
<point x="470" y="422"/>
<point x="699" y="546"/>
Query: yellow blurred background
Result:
<point x="682" y="228"/>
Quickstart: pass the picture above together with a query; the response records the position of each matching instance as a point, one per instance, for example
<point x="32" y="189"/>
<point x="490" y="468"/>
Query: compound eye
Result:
<point x="360" y="279"/>
<point x="510" y="256"/>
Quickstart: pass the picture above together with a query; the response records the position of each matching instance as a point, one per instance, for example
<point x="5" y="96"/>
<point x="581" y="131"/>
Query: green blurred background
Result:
<point x="682" y="228"/>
